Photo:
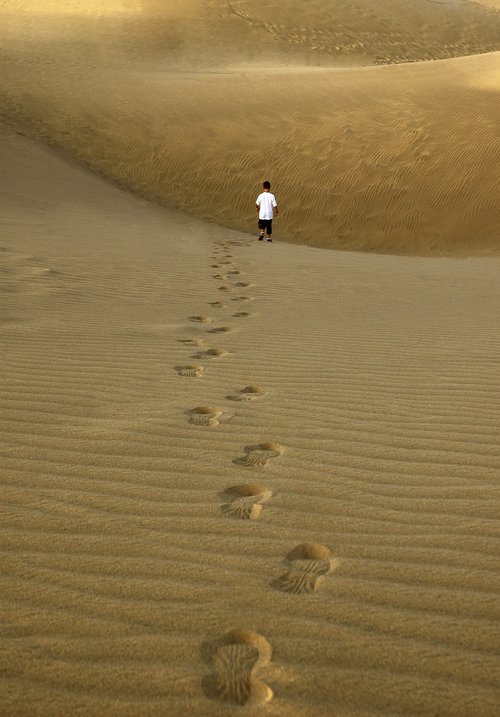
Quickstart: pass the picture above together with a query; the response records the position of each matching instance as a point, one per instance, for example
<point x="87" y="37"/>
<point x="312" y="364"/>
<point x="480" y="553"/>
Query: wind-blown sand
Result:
<point x="243" y="477"/>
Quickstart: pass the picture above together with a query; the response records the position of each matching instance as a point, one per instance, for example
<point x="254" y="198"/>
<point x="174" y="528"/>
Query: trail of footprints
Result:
<point x="236" y="658"/>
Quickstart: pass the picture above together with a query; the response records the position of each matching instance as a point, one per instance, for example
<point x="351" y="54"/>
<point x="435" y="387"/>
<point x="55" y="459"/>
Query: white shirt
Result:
<point x="266" y="201"/>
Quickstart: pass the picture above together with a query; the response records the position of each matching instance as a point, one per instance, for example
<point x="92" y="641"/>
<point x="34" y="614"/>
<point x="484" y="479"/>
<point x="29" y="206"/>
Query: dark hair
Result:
<point x="266" y="185"/>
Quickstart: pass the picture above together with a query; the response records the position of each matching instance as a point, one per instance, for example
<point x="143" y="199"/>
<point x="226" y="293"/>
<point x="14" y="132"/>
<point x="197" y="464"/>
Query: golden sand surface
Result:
<point x="202" y="433"/>
<point x="241" y="477"/>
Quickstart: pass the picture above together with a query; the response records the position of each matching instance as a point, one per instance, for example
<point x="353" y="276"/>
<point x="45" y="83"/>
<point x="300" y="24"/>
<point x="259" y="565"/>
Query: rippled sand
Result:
<point x="242" y="476"/>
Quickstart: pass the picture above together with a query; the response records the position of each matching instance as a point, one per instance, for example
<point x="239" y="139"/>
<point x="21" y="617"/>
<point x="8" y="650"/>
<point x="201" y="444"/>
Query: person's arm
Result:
<point x="276" y="210"/>
<point x="257" y="206"/>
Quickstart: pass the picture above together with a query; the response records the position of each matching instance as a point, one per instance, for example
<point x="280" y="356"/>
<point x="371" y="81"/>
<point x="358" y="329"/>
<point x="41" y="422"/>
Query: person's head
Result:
<point x="266" y="185"/>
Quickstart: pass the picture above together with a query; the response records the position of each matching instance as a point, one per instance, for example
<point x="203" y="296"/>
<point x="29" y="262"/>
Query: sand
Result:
<point x="242" y="477"/>
<point x="401" y="158"/>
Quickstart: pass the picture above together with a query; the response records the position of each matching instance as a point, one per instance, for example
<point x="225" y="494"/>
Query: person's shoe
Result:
<point x="261" y="236"/>
<point x="269" y="239"/>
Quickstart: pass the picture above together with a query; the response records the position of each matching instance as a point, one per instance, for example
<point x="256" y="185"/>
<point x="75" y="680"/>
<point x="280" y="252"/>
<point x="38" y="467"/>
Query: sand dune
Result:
<point x="202" y="33"/>
<point x="242" y="477"/>
<point x="401" y="159"/>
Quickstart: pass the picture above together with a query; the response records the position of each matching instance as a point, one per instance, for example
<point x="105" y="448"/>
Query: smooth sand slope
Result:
<point x="194" y="104"/>
<point x="232" y="469"/>
<point x="217" y="33"/>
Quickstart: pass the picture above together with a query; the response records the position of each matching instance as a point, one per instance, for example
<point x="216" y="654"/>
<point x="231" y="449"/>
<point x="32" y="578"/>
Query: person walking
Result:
<point x="266" y="206"/>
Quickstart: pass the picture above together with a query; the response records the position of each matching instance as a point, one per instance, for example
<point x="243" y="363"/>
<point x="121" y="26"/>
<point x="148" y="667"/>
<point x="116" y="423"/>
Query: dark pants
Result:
<point x="267" y="225"/>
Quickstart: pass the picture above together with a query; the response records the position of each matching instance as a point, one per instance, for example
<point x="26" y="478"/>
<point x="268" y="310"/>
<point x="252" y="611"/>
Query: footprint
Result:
<point x="215" y="266"/>
<point x="243" y="283"/>
<point x="245" y="500"/>
<point x="249" y="393"/>
<point x="23" y="274"/>
<point x="224" y="288"/>
<point x="194" y="370"/>
<point x="219" y="276"/>
<point x="234" y="661"/>
<point x="260" y="454"/>
<point x="201" y="319"/>
<point x="216" y="353"/>
<point x="242" y="298"/>
<point x="308" y="564"/>
<point x="205" y="416"/>
<point x="235" y="272"/>
<point x="218" y="304"/>
<point x="192" y="342"/>
<point x="220" y="330"/>
<point x="243" y="314"/>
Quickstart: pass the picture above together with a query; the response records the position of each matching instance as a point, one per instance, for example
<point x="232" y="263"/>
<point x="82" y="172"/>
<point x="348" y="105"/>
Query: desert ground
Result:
<point x="242" y="477"/>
